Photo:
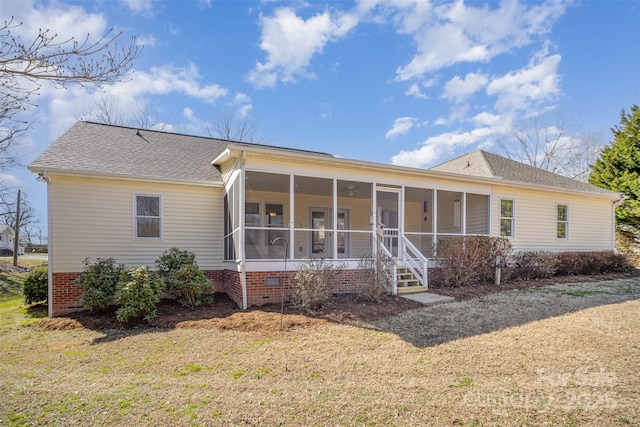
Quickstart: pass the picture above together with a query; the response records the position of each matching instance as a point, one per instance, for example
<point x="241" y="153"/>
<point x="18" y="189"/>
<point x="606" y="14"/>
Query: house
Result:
<point x="252" y="212"/>
<point x="6" y="241"/>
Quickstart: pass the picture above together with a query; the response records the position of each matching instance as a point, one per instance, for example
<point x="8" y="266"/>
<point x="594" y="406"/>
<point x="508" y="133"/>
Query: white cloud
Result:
<point x="291" y="42"/>
<point x="459" y="90"/>
<point x="536" y="83"/>
<point x="62" y="19"/>
<point x="167" y="79"/>
<point x="401" y="126"/>
<point x="138" y="7"/>
<point x="415" y="91"/>
<point x="146" y="41"/>
<point x="456" y="32"/>
<point x="66" y="106"/>
<point x="435" y="146"/>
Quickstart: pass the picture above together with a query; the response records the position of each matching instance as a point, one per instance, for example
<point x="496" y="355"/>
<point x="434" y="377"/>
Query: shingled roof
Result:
<point x="488" y="165"/>
<point x="101" y="149"/>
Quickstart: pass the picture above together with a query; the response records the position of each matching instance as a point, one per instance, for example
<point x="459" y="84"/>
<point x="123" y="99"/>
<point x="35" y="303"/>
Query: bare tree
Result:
<point x="231" y="126"/>
<point x="24" y="66"/>
<point x="552" y="147"/>
<point x="8" y="211"/>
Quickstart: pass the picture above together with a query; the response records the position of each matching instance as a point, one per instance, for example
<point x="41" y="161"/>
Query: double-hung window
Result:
<point x="507" y="218"/>
<point x="562" y="221"/>
<point x="148" y="217"/>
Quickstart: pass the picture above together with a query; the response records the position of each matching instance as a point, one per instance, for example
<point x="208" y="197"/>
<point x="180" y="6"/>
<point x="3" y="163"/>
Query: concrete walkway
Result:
<point x="427" y="298"/>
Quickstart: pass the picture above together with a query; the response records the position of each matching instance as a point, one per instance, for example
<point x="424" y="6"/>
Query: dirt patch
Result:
<point x="224" y="314"/>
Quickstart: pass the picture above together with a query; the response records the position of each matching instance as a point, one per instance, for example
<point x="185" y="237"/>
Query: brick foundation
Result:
<point x="65" y="294"/>
<point x="263" y="287"/>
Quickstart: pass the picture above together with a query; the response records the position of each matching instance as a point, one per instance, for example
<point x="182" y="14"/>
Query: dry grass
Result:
<point x="564" y="355"/>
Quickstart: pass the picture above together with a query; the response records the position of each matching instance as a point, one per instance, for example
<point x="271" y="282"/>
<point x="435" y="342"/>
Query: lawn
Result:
<point x="563" y="355"/>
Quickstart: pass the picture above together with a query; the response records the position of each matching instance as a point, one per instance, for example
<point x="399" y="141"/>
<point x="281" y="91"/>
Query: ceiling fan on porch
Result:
<point x="349" y="190"/>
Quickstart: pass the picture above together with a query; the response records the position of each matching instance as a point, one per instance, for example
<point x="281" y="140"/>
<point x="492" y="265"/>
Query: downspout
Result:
<point x="43" y="177"/>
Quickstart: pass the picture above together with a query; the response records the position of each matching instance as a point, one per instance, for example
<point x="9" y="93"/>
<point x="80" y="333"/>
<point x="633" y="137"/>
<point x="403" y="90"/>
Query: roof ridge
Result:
<point x="211" y="138"/>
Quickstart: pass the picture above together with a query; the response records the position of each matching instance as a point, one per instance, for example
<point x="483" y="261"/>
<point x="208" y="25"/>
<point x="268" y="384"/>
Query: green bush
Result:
<point x="35" y="286"/>
<point x="190" y="286"/>
<point x="469" y="260"/>
<point x="375" y="276"/>
<point x="313" y="283"/>
<point x="172" y="259"/>
<point x="139" y="291"/>
<point x="100" y="283"/>
<point x="183" y="278"/>
<point x="534" y="265"/>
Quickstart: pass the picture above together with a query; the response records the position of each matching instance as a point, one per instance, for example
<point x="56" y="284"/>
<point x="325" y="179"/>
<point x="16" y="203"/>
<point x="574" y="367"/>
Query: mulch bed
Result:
<point x="224" y="314"/>
<point x="469" y="292"/>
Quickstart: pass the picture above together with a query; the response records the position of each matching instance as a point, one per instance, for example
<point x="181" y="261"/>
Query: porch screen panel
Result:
<point x="354" y="233"/>
<point x="232" y="221"/>
<point x="449" y="212"/>
<point x="418" y="210"/>
<point x="266" y="215"/>
<point x="313" y="221"/>
<point x="477" y="214"/>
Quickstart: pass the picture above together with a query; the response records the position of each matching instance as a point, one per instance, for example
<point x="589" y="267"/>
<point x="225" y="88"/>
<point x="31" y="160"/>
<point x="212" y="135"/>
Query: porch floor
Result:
<point x="427" y="298"/>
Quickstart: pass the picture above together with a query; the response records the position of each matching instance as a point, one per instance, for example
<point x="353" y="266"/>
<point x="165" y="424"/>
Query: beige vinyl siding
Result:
<point x="95" y="218"/>
<point x="535" y="220"/>
<point x="227" y="168"/>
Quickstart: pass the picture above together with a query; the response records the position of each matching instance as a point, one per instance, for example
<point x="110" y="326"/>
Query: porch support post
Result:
<point x="435" y="218"/>
<point x="292" y="213"/>
<point x="243" y="196"/>
<point x="334" y="218"/>
<point x="463" y="216"/>
<point x="401" y="224"/>
<point x="374" y="222"/>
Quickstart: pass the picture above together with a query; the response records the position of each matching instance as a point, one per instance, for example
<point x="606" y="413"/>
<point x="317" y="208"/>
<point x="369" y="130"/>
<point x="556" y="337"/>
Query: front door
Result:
<point x="388" y="213"/>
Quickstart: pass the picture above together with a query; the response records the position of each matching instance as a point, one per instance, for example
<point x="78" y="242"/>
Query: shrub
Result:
<point x="100" y="282"/>
<point x="534" y="265"/>
<point x="35" y="286"/>
<point x="587" y="263"/>
<point x="313" y="282"/>
<point x="469" y="260"/>
<point x="139" y="291"/>
<point x="183" y="279"/>
<point x="375" y="276"/>
<point x="190" y="286"/>
<point x="617" y="262"/>
<point x="172" y="259"/>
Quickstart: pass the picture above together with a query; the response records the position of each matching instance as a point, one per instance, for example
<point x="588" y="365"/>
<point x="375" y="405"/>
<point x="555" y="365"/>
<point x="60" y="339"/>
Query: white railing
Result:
<point x="413" y="259"/>
<point x="392" y="275"/>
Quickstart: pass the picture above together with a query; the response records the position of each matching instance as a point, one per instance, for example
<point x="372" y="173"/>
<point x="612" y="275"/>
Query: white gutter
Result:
<point x="125" y="177"/>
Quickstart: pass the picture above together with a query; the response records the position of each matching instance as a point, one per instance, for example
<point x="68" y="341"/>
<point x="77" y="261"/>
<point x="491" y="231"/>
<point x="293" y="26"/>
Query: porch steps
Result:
<point x="407" y="282"/>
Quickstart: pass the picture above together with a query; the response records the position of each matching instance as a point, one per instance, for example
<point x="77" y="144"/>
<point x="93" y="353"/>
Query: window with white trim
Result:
<point x="148" y="216"/>
<point x="562" y="221"/>
<point x="507" y="218"/>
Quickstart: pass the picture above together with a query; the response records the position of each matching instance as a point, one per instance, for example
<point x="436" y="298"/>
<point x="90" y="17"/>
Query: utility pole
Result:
<point x="16" y="233"/>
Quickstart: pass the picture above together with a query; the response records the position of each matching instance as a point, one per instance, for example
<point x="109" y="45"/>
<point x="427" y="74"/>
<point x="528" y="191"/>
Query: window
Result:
<point x="562" y="221"/>
<point x="148" y="222"/>
<point x="252" y="213"/>
<point x="506" y="217"/>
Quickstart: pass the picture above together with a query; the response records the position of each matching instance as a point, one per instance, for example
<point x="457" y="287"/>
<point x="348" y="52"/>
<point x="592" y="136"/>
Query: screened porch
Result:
<point x="272" y="216"/>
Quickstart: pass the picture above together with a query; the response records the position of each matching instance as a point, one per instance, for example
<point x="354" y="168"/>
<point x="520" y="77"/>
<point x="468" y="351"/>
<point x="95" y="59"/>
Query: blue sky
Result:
<point x="404" y="82"/>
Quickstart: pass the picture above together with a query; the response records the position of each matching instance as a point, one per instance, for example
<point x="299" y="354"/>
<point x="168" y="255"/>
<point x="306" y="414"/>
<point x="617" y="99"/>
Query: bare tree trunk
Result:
<point x="16" y="235"/>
